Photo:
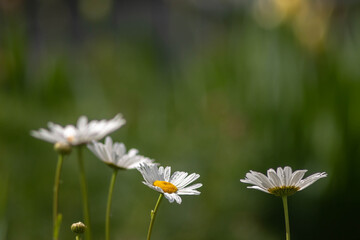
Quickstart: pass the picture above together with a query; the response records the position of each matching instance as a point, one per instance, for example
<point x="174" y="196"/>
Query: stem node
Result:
<point x="153" y="215"/>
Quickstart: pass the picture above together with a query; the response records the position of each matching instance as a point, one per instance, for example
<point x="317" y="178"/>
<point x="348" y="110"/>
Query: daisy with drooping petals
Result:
<point x="84" y="131"/>
<point x="170" y="186"/>
<point x="282" y="183"/>
<point x="115" y="156"/>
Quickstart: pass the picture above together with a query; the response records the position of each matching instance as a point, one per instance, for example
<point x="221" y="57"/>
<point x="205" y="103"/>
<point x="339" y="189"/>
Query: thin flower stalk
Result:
<point x="153" y="215"/>
<point x="56" y="215"/>
<point x="286" y="214"/>
<point x="83" y="186"/>
<point x="108" y="208"/>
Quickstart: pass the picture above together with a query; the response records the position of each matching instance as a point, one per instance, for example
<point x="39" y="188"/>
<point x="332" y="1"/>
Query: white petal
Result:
<point x="167" y="174"/>
<point x="148" y="173"/>
<point x="82" y="122"/>
<point x="195" y="186"/>
<point x="265" y="181"/>
<point x="161" y="171"/>
<point x="190" y="190"/>
<point x="251" y="179"/>
<point x="274" y="178"/>
<point x="258" y="188"/>
<point x="169" y="197"/>
<point x="178" y="177"/>
<point x="296" y="177"/>
<point x="132" y="152"/>
<point x="108" y="143"/>
<point x="310" y="180"/>
<point x="177" y="198"/>
<point x="45" y="135"/>
<point x="281" y="175"/>
<point x="288" y="175"/>
<point x="154" y="187"/>
<point x="189" y="179"/>
<point x="119" y="149"/>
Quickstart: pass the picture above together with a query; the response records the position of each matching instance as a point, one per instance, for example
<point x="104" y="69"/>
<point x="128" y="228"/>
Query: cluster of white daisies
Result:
<point x="283" y="182"/>
<point x="115" y="154"/>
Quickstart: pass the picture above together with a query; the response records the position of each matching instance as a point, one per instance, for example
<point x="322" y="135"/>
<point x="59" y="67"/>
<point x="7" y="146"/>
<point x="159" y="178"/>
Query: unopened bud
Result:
<point x="78" y="228"/>
<point x="62" y="148"/>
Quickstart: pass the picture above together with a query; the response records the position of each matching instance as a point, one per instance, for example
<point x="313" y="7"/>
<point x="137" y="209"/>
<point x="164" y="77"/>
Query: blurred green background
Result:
<point x="213" y="87"/>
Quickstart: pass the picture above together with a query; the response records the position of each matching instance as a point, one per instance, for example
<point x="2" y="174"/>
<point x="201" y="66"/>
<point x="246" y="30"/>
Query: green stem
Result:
<point x="286" y="213"/>
<point x="108" y="208"/>
<point x="153" y="215"/>
<point x="77" y="237"/>
<point x="56" y="222"/>
<point x="84" y="193"/>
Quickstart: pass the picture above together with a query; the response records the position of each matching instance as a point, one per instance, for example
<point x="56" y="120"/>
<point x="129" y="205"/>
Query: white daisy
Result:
<point x="171" y="187"/>
<point x="114" y="154"/>
<point x="284" y="182"/>
<point x="84" y="132"/>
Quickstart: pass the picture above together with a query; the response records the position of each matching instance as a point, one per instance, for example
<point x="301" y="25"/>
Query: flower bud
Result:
<point x="78" y="228"/>
<point x="62" y="148"/>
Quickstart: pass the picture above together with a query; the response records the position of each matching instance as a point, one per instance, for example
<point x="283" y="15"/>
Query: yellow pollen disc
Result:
<point x="166" y="186"/>
<point x="70" y="139"/>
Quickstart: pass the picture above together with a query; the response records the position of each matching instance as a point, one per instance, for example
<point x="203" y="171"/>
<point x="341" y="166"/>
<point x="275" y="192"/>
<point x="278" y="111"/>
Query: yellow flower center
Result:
<point x="283" y="190"/>
<point x="70" y="139"/>
<point x="166" y="186"/>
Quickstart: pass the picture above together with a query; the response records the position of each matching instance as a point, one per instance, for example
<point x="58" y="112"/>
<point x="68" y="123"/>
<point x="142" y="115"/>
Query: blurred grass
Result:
<point x="204" y="89"/>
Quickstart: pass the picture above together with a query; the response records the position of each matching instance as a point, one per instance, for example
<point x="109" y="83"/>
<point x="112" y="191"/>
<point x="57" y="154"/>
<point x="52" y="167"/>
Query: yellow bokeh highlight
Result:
<point x="309" y="19"/>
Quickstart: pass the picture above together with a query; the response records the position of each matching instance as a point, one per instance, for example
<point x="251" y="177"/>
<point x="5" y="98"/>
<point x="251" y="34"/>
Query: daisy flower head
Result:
<point x="84" y="131"/>
<point x="282" y="182"/>
<point x="115" y="155"/>
<point x="172" y="186"/>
